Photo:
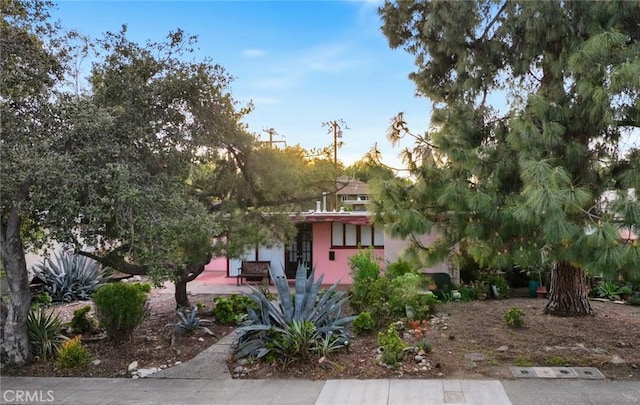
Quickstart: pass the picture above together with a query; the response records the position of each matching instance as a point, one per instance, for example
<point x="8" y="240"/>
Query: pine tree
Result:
<point x="532" y="103"/>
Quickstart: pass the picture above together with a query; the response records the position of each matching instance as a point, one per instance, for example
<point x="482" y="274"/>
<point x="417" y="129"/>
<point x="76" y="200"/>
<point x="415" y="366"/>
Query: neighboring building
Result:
<point x="354" y="195"/>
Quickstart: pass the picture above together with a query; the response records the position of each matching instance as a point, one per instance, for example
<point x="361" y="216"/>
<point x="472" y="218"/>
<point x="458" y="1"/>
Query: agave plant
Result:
<point x="69" y="278"/>
<point x="307" y="314"/>
<point x="188" y="320"/>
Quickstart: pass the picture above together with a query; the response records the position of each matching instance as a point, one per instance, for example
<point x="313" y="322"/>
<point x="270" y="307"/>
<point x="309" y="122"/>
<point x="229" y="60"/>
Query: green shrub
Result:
<point x="467" y="293"/>
<point x="72" y="354"/>
<point x="120" y="308"/>
<point x="41" y="300"/>
<point x="294" y="326"/>
<point x="327" y="344"/>
<point x="392" y="346"/>
<point x="363" y="323"/>
<point x="364" y="265"/>
<point x="295" y="342"/>
<point x="144" y="287"/>
<point x="231" y="309"/>
<point x="498" y="281"/>
<point x="514" y="317"/>
<point x="81" y="323"/>
<point x="399" y="268"/>
<point x="45" y="332"/>
<point x="70" y="277"/>
<point x="634" y="299"/>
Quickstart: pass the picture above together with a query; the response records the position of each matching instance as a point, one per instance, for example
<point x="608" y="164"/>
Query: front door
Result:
<point x="299" y="250"/>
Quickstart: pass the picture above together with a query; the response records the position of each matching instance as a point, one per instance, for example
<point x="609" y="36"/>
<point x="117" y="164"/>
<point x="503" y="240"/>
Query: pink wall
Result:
<point x="333" y="270"/>
<point x="217" y="264"/>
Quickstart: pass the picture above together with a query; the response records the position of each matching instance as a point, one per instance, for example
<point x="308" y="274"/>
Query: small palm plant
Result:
<point x="293" y="327"/>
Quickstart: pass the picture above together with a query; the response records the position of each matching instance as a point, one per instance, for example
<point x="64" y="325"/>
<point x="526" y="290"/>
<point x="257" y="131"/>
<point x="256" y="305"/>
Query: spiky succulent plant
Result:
<point x="274" y="321"/>
<point x="69" y="277"/>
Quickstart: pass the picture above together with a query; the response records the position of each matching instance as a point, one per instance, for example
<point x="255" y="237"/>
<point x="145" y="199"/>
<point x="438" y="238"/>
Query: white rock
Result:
<point x="177" y="363"/>
<point x="419" y="358"/>
<point x="238" y="370"/>
<point x="135" y="376"/>
<point x="617" y="360"/>
<point x="200" y="339"/>
<point x="96" y="362"/>
<point x="145" y="372"/>
<point x="502" y="349"/>
<point x="133" y="366"/>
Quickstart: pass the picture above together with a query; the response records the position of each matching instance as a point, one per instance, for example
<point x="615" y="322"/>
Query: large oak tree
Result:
<point x="531" y="104"/>
<point x="148" y="163"/>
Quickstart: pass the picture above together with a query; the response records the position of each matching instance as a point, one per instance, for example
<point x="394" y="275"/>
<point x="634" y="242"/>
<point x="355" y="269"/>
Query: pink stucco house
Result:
<point x="326" y="240"/>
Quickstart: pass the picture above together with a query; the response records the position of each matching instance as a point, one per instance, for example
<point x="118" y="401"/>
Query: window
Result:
<point x="349" y="235"/>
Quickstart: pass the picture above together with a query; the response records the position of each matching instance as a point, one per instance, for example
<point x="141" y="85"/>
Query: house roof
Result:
<point x="354" y="217"/>
<point x="352" y="187"/>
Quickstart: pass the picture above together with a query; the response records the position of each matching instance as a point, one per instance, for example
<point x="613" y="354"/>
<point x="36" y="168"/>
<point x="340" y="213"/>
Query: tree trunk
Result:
<point x="182" y="300"/>
<point x="15" y="347"/>
<point x="187" y="274"/>
<point x="569" y="292"/>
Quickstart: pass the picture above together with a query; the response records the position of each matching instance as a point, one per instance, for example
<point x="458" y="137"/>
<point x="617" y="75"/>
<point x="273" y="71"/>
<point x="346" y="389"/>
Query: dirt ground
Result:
<point x="469" y="340"/>
<point x="150" y="345"/>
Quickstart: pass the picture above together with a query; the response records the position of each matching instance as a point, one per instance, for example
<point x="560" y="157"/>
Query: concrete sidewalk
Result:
<point x="99" y="391"/>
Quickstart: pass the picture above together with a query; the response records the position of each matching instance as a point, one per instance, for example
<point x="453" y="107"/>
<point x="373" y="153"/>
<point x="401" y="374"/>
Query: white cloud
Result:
<point x="253" y="53"/>
<point x="289" y="70"/>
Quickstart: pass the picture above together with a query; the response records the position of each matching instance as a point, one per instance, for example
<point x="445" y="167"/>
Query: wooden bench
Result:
<point x="253" y="271"/>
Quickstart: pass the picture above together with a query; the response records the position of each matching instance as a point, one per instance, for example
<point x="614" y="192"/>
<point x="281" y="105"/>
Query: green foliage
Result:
<point x="497" y="280"/>
<point x="559" y="361"/>
<point x="81" y="323"/>
<point x="363" y="323"/>
<point x="389" y="297"/>
<point x="424" y="345"/>
<point x="522" y="362"/>
<point x="144" y="287"/>
<point x="72" y="354"/>
<point x="523" y="183"/>
<point x="468" y="293"/>
<point x="156" y="201"/>
<point x="228" y="310"/>
<point x="120" y="308"/>
<point x="328" y="344"/>
<point x="45" y="332"/>
<point x="70" y="277"/>
<point x="514" y="317"/>
<point x="188" y="321"/>
<point x="634" y="300"/>
<point x="364" y="265"/>
<point x="295" y="342"/>
<point x="399" y="268"/>
<point x="41" y="300"/>
<point x="392" y="346"/>
<point x="290" y="326"/>
<point x="609" y="291"/>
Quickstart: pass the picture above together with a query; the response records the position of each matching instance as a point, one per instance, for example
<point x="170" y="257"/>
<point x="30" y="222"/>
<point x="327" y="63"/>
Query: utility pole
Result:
<point x="335" y="127"/>
<point x="271" y="133"/>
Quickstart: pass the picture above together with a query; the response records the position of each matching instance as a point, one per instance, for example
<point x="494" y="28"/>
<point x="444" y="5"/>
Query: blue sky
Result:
<point x="302" y="63"/>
